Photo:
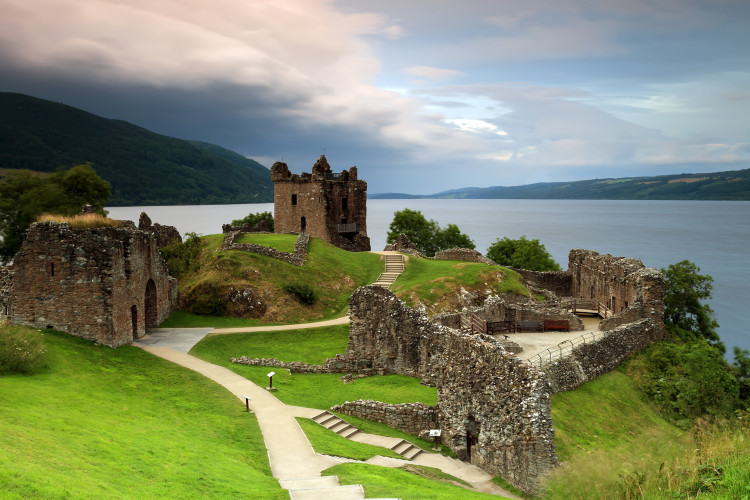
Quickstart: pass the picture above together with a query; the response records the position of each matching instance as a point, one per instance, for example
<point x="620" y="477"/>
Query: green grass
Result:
<point x="281" y="242"/>
<point x="436" y="282"/>
<point x="184" y="319"/>
<point x="121" y="423"/>
<point x="311" y="345"/>
<point x="327" y="442"/>
<point x="332" y="274"/>
<point x="383" y="482"/>
<point x="309" y="390"/>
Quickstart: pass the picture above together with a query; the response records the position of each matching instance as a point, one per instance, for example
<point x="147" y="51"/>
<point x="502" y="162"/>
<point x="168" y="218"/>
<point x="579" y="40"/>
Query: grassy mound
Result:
<point x="206" y="275"/>
<point x="437" y="284"/>
<point x="121" y="423"/>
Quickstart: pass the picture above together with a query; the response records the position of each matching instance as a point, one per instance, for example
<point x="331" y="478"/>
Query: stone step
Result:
<point x="406" y="449"/>
<point x="309" y="483"/>
<point x="335" y="424"/>
<point x="348" y="492"/>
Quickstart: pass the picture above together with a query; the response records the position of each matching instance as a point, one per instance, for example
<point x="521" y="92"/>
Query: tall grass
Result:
<point x="85" y="221"/>
<point x="20" y="350"/>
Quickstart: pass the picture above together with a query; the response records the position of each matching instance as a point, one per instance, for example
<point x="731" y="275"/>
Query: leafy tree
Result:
<point x="426" y="235"/>
<point x="254" y="219"/>
<point x="25" y="195"/>
<point x="684" y="290"/>
<point x="522" y="254"/>
<point x="741" y="368"/>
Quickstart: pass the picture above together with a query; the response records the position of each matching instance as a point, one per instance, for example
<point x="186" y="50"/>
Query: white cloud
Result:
<point x="433" y="73"/>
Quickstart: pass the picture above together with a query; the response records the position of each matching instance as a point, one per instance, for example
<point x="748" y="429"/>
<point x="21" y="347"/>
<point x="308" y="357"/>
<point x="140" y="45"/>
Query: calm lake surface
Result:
<point x="715" y="235"/>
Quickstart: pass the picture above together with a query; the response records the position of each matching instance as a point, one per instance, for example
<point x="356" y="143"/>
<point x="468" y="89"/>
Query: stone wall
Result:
<point x="321" y="204"/>
<point x="588" y="361"/>
<point x="107" y="284"/>
<point x="463" y="254"/>
<point x="164" y="234"/>
<point x="298" y="258"/>
<point x="559" y="282"/>
<point x="482" y="389"/>
<point x="625" y="286"/>
<point x="413" y="418"/>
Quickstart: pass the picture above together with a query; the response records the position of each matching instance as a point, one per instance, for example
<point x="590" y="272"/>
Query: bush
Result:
<point x="21" y="351"/>
<point x="426" y="235"/>
<point x="522" y="254"/>
<point x="254" y="219"/>
<point x="182" y="258"/>
<point x="304" y="292"/>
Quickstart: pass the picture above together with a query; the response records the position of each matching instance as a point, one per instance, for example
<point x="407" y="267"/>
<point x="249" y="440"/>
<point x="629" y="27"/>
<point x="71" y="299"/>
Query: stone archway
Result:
<point x="150" y="304"/>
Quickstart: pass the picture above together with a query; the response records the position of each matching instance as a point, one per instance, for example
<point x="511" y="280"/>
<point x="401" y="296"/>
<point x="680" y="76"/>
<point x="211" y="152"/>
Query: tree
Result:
<point x="684" y="290"/>
<point x="522" y="254"/>
<point x="741" y="369"/>
<point x="426" y="235"/>
<point x="24" y="195"/>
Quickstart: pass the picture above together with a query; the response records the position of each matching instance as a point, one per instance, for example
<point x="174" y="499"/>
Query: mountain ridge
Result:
<point x="143" y="167"/>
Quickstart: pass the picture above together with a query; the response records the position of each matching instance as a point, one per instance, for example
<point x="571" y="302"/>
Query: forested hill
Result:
<point x="731" y="185"/>
<point x="143" y="167"/>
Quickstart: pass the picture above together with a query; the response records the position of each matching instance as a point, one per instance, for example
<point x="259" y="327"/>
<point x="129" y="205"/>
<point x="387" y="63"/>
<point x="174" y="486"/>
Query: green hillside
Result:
<point x="733" y="185"/>
<point x="143" y="167"/>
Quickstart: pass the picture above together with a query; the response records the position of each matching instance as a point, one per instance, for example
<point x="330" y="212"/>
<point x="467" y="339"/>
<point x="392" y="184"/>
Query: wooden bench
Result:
<point x="562" y="325"/>
<point x="530" y="326"/>
<point x="500" y="326"/>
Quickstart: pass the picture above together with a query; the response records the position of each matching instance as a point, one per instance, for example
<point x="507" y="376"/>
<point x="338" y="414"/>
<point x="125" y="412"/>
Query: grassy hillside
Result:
<point x="205" y="274"/>
<point x="121" y="423"/>
<point x="729" y="185"/>
<point x="143" y="167"/>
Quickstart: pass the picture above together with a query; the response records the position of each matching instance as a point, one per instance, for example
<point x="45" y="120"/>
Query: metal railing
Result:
<point x="563" y="348"/>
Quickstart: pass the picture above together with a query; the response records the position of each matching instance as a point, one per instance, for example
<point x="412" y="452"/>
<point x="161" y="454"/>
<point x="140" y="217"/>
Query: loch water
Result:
<point x="715" y="235"/>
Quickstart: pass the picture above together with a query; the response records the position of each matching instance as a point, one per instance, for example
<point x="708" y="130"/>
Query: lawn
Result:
<point x="121" y="423"/>
<point x="281" y="242"/>
<point x="311" y="346"/>
<point x="327" y="442"/>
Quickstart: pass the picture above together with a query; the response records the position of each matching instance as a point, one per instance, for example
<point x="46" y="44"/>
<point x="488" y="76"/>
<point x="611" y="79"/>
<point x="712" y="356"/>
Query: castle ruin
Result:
<point x="323" y="204"/>
<point x="106" y="284"/>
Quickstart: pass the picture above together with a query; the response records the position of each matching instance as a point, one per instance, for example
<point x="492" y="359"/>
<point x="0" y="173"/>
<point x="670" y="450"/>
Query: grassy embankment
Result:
<point x="121" y="423"/>
<point x="331" y="274"/>
<point x="437" y="284"/>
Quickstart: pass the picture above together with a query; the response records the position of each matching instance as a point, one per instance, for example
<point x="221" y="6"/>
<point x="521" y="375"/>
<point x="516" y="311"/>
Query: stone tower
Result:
<point x="326" y="205"/>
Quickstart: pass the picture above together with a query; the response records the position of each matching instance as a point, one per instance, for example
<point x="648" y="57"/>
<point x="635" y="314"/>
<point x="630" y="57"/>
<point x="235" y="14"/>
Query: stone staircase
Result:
<point x="394" y="265"/>
<point x="347" y="430"/>
<point x="335" y="424"/>
<point x="321" y="488"/>
<point x="407" y="450"/>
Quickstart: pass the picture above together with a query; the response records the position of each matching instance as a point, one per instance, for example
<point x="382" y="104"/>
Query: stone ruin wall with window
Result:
<point x="106" y="284"/>
<point x="326" y="205"/>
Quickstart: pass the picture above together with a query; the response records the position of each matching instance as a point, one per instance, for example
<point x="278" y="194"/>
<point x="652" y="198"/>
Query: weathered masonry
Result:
<point x="106" y="284"/>
<point x="326" y="205"/>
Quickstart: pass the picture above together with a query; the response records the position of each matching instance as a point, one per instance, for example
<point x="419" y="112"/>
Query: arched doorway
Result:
<point x="134" y="320"/>
<point x="151" y="315"/>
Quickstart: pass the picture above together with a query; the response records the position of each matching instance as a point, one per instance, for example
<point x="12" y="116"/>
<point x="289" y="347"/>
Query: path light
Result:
<point x="247" y="403"/>
<point x="270" y="381"/>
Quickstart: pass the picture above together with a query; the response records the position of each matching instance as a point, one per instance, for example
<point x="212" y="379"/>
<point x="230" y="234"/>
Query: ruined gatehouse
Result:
<point x="323" y="204"/>
<point x="105" y="284"/>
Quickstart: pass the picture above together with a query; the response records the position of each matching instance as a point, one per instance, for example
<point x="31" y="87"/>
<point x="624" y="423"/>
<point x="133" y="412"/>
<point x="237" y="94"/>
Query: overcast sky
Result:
<point x="421" y="95"/>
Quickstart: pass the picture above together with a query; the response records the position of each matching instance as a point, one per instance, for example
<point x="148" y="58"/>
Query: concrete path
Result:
<point x="344" y="320"/>
<point x="292" y="459"/>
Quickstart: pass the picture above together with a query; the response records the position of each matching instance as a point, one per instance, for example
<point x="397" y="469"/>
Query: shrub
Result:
<point x="20" y="350"/>
<point x="254" y="219"/>
<point x="182" y="258"/>
<point x="522" y="254"/>
<point x="304" y="292"/>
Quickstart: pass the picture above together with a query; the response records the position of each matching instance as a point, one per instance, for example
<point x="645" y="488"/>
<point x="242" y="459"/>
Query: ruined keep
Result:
<point x="326" y="205"/>
<point x="105" y="284"/>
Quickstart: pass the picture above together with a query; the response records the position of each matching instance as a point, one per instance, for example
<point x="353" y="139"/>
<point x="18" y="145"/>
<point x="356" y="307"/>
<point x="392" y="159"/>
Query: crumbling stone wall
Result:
<point x="298" y="258"/>
<point x="329" y="206"/>
<point x="463" y="254"/>
<point x="164" y="234"/>
<point x="625" y="286"/>
<point x="588" y="361"/>
<point x="482" y="389"/>
<point x="413" y="418"/>
<point x="106" y="284"/>
<point x="559" y="282"/>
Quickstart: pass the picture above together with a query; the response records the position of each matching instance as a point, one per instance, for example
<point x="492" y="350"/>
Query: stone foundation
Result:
<point x="412" y="418"/>
<point x="463" y="254"/>
<point x="298" y="258"/>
